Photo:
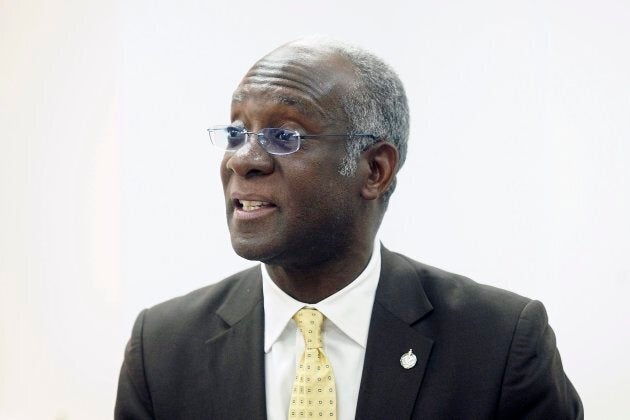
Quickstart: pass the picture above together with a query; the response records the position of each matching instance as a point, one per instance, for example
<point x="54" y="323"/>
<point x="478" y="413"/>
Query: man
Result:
<point x="318" y="133"/>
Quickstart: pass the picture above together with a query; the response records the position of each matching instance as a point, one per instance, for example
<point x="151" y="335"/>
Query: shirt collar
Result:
<point x="349" y="309"/>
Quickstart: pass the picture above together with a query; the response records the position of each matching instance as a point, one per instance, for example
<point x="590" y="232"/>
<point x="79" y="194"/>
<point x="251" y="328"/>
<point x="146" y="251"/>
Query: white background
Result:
<point x="110" y="199"/>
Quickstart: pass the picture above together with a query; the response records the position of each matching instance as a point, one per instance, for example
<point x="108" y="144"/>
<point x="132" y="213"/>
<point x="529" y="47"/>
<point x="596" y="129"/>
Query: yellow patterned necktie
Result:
<point x="314" y="395"/>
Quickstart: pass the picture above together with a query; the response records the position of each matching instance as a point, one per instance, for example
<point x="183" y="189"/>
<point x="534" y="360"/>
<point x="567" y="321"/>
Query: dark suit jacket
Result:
<point x="483" y="353"/>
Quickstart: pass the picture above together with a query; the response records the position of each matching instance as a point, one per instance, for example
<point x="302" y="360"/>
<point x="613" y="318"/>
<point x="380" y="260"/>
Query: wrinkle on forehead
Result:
<point x="305" y="106"/>
<point x="304" y="79"/>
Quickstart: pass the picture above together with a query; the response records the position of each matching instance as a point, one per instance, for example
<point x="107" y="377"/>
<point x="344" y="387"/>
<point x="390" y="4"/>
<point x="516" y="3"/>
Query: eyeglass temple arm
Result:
<point x="313" y="136"/>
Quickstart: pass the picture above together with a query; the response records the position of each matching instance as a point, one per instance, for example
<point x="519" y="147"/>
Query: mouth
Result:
<point x="245" y="210"/>
<point x="251" y="205"/>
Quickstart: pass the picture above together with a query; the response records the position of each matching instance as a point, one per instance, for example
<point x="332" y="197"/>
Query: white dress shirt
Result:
<point x="345" y="333"/>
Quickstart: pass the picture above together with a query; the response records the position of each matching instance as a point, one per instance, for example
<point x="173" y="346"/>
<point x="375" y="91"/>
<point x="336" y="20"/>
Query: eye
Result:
<point x="234" y="135"/>
<point x="285" y="135"/>
<point x="234" y="131"/>
<point x="280" y="141"/>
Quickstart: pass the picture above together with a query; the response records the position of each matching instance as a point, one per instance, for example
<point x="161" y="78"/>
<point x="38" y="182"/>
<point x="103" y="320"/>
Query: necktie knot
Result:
<point x="310" y="321"/>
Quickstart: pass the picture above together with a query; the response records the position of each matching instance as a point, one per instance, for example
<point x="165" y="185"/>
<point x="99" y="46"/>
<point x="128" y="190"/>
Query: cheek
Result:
<point x="323" y="200"/>
<point x="224" y="172"/>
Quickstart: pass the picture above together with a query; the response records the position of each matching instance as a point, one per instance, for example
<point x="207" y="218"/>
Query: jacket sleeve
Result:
<point x="534" y="383"/>
<point x="133" y="400"/>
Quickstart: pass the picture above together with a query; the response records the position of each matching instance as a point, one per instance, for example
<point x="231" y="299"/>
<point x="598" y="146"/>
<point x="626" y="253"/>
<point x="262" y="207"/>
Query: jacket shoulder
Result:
<point x="201" y="309"/>
<point x="457" y="294"/>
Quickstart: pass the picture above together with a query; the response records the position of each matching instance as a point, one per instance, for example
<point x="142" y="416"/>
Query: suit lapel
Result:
<point x="387" y="389"/>
<point x="236" y="355"/>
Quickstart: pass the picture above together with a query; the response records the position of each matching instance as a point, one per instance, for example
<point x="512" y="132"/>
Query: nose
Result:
<point x="250" y="159"/>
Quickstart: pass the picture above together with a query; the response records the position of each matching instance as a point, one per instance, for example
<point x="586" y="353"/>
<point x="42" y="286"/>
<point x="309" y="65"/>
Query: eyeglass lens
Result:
<point x="277" y="141"/>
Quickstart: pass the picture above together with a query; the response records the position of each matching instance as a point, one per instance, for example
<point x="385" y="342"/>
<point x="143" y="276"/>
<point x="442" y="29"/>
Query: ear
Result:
<point x="382" y="161"/>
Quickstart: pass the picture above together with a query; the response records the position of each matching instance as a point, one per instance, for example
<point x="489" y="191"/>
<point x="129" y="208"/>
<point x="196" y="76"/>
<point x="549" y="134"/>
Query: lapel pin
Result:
<point x="408" y="360"/>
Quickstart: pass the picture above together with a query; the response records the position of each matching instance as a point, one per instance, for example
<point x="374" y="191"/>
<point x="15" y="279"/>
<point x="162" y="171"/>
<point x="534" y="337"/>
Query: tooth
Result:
<point x="251" y="203"/>
<point x="250" y="207"/>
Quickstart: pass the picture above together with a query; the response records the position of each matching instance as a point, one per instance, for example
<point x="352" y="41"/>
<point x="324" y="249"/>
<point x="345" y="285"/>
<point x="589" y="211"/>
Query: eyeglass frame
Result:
<point x="297" y="134"/>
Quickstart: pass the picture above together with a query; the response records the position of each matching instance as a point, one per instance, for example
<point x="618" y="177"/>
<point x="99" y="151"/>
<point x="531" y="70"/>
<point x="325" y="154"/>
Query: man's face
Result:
<point x="309" y="211"/>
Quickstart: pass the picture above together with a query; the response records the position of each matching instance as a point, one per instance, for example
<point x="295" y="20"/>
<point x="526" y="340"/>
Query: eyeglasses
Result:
<point x="276" y="141"/>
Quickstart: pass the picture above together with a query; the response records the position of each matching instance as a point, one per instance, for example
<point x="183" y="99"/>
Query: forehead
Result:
<point x="310" y="82"/>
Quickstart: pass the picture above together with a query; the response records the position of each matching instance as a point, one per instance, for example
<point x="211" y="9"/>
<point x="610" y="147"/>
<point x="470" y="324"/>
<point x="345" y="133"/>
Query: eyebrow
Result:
<point x="298" y="103"/>
<point x="306" y="109"/>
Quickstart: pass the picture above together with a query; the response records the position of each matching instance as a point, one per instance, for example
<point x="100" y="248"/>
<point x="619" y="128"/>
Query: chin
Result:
<point x="250" y="250"/>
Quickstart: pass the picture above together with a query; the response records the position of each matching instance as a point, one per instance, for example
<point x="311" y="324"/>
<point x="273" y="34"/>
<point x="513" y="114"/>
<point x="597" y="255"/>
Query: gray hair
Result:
<point x="375" y="104"/>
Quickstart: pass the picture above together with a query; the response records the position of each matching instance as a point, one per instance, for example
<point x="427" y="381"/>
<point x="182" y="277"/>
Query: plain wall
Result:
<point x="110" y="199"/>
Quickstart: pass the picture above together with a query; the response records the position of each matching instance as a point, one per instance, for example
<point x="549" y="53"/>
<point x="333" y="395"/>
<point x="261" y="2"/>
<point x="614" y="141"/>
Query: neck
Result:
<point x="315" y="282"/>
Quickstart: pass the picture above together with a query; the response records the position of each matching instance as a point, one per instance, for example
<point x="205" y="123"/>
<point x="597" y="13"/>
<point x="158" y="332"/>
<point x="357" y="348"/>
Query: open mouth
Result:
<point x="251" y="205"/>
